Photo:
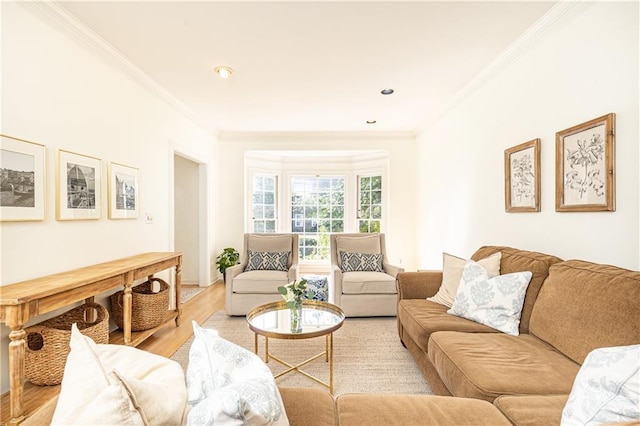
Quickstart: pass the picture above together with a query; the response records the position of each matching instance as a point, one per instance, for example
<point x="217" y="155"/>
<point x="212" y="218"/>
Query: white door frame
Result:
<point x="204" y="273"/>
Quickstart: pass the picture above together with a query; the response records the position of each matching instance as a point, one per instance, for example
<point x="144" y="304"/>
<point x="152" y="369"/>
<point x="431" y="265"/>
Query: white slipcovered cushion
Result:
<point x="115" y="384"/>
<point x="265" y="282"/>
<point x="228" y="385"/>
<point x="606" y="389"/>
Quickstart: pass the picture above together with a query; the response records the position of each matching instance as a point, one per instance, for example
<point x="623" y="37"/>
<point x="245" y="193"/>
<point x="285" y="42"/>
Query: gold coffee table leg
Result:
<point x="266" y="349"/>
<point x="330" y="356"/>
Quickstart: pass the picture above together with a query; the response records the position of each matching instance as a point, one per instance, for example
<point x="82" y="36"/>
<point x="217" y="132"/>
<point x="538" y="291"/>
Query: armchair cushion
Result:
<point x="369" y="244"/>
<point x="367" y="282"/>
<point x="266" y="282"/>
<point x="351" y="262"/>
<point x="267" y="260"/>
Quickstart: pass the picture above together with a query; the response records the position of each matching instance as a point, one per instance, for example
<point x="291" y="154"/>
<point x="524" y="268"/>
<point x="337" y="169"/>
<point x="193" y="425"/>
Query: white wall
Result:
<point x="583" y="67"/>
<point x="402" y="174"/>
<point x="60" y="94"/>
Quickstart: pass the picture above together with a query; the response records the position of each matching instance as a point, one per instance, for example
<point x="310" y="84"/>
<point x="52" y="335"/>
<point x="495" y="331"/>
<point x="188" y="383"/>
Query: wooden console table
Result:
<point x="25" y="300"/>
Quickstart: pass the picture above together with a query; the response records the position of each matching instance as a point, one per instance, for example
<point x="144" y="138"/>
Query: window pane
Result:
<point x="376" y="183"/>
<point x="257" y="211"/>
<point x="370" y="204"/>
<point x="337" y="226"/>
<point x="263" y="199"/>
<point x="312" y="217"/>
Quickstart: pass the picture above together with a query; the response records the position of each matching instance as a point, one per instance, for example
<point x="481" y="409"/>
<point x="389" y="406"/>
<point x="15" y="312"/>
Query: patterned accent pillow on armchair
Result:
<point x="267" y="261"/>
<point x="352" y="262"/>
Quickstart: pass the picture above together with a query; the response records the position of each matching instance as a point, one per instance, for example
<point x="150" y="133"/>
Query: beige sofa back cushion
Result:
<point x="583" y="306"/>
<point x="514" y="260"/>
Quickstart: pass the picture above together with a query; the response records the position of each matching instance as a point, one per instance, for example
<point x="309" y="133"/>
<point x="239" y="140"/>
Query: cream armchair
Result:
<point x="362" y="283"/>
<point x="267" y="262"/>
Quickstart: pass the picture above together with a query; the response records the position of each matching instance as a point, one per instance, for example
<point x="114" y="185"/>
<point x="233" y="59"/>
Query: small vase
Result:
<point x="296" y="318"/>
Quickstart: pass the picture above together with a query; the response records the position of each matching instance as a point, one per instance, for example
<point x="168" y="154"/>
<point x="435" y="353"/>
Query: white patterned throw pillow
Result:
<point x="267" y="261"/>
<point x="352" y="262"/>
<point x="493" y="301"/>
<point x="228" y="385"/>
<point x="606" y="389"/>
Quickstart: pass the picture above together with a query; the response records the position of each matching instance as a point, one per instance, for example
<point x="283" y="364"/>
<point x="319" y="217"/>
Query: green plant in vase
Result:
<point x="294" y="293"/>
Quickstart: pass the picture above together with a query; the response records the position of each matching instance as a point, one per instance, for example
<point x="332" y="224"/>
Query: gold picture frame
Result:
<point x="78" y="186"/>
<point x="22" y="180"/>
<point x="585" y="178"/>
<point x="124" y="199"/>
<point x="522" y="177"/>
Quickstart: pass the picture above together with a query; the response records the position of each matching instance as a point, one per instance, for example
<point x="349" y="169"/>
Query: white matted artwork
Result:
<point x="22" y="180"/>
<point x="585" y="166"/>
<point x="124" y="201"/>
<point x="78" y="187"/>
<point x="522" y="177"/>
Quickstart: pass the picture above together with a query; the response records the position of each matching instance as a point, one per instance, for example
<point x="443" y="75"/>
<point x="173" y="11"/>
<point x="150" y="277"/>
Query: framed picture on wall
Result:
<point x="585" y="178"/>
<point x="22" y="180"/>
<point x="124" y="201"/>
<point x="78" y="187"/>
<point x="522" y="177"/>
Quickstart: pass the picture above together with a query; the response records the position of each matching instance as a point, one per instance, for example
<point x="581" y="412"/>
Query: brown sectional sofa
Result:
<point x="571" y="307"/>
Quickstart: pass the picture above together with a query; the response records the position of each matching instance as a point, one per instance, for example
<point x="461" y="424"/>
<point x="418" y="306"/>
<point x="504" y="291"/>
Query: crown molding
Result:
<point x="54" y="14"/>
<point x="313" y="136"/>
<point x="561" y="12"/>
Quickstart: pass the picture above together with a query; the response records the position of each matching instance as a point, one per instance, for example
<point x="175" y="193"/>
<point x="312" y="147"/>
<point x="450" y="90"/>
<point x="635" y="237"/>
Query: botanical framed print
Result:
<point x="124" y="202"/>
<point x="22" y="180"/>
<point x="585" y="178"/>
<point x="78" y="187"/>
<point x="522" y="177"/>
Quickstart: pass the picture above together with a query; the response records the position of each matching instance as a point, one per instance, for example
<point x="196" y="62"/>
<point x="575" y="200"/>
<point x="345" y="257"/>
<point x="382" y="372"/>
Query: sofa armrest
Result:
<point x="308" y="406"/>
<point x="292" y="274"/>
<point x="418" y="285"/>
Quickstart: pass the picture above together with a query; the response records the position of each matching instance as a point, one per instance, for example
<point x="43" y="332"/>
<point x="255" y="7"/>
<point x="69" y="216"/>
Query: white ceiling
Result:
<point x="310" y="66"/>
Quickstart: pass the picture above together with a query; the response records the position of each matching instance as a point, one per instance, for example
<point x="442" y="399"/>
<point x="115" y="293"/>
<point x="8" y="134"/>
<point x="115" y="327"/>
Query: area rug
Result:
<point x="187" y="292"/>
<point x="368" y="356"/>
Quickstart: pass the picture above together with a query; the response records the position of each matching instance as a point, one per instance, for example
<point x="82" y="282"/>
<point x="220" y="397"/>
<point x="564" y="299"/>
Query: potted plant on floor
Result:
<point x="227" y="259"/>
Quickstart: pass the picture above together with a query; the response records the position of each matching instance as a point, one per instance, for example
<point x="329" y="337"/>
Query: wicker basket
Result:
<point x="48" y="342"/>
<point x="148" y="308"/>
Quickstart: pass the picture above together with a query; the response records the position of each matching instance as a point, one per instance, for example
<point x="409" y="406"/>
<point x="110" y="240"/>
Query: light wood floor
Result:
<point x="163" y="342"/>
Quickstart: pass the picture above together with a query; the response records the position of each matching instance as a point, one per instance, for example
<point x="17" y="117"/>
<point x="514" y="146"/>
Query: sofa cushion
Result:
<point x="493" y="301"/>
<point x="607" y="388"/>
<point x="486" y="365"/>
<point x="365" y="243"/>
<point x="394" y="409"/>
<point x="599" y="304"/>
<point x="514" y="260"/>
<point x="298" y="401"/>
<point x="227" y="384"/>
<point x="420" y="318"/>
<point x="117" y="384"/>
<point x="452" y="267"/>
<point x="366" y="282"/>
<point x="266" y="282"/>
<point x="532" y="410"/>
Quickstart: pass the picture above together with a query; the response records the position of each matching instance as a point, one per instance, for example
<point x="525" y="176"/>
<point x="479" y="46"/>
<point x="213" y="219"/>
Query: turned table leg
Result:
<point x="17" y="350"/>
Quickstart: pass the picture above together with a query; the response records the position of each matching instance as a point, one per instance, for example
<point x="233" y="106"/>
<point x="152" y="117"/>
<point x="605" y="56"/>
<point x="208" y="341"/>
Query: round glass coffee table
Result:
<point x="273" y="320"/>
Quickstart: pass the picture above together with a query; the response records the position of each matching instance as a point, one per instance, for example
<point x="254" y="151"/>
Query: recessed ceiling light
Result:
<point x="224" y="72"/>
<point x="371" y="121"/>
<point x="387" y="91"/>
